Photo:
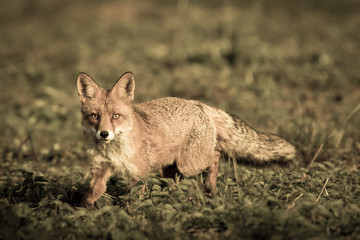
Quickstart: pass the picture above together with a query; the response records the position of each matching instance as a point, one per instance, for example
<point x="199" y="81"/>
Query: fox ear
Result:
<point x="125" y="86"/>
<point x="87" y="87"/>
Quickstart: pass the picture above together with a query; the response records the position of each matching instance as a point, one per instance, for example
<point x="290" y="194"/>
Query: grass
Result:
<point x="284" y="67"/>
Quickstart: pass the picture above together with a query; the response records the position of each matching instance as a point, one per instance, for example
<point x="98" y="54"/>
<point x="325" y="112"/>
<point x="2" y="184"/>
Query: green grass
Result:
<point x="283" y="67"/>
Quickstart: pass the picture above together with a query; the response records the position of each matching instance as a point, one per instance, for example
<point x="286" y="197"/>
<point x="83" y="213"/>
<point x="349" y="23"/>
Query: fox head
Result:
<point x="106" y="113"/>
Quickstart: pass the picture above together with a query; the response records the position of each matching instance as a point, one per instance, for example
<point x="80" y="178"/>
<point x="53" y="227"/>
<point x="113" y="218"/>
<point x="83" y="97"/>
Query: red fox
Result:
<point x="175" y="136"/>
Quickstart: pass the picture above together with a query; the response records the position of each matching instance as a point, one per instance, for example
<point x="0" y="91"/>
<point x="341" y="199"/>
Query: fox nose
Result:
<point x="104" y="134"/>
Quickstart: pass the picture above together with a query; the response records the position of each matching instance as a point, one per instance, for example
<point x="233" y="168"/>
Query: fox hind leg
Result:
<point x="210" y="182"/>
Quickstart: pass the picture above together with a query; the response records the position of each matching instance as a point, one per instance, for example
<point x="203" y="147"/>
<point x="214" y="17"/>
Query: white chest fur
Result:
<point x="116" y="153"/>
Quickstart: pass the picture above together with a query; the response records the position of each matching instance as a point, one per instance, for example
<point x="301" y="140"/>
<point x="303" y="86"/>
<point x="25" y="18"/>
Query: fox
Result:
<point x="174" y="136"/>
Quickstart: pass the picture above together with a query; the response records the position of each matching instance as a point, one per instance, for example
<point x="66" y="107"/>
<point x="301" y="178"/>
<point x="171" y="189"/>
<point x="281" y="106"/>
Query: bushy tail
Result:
<point x="238" y="140"/>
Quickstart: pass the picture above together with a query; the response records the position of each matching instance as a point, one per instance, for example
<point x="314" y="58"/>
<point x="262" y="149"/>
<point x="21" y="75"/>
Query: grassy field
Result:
<point x="283" y="67"/>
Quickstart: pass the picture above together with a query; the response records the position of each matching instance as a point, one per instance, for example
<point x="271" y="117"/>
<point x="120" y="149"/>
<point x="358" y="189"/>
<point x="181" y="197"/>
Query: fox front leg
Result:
<point x="97" y="185"/>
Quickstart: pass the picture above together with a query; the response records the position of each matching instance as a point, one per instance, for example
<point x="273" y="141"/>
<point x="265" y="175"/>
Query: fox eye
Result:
<point x="94" y="116"/>
<point x="116" y="116"/>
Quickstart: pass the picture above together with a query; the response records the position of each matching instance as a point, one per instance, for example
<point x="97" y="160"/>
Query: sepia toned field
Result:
<point x="284" y="67"/>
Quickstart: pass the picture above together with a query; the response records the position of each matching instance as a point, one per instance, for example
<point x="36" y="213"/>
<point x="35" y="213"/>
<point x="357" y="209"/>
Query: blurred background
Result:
<point x="285" y="67"/>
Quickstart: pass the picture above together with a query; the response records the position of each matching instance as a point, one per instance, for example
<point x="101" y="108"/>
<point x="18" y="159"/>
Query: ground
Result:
<point x="285" y="67"/>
